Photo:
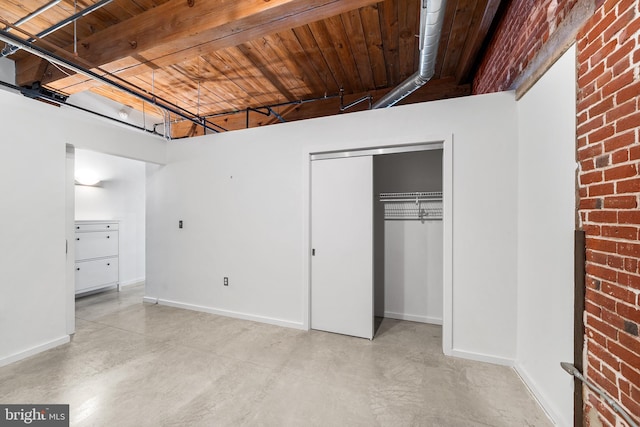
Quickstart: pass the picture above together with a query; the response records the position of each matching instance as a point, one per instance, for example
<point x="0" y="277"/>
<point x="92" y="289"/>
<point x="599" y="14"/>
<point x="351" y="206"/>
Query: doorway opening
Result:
<point x="106" y="215"/>
<point x="408" y="236"/>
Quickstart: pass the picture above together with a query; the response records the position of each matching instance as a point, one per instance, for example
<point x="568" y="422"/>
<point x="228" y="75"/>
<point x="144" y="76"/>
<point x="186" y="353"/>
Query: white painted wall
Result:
<point x="7" y="71"/>
<point x="121" y="196"/>
<point x="546" y="220"/>
<point x="33" y="308"/>
<point x="244" y="199"/>
<point x="413" y="271"/>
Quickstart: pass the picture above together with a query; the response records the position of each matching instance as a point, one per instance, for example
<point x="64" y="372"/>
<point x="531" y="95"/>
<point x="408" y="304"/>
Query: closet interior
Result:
<point x="408" y="236"/>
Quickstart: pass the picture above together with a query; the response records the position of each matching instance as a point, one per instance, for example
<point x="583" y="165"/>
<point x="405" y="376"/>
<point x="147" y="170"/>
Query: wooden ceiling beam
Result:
<point x="174" y="31"/>
<point x="480" y="26"/>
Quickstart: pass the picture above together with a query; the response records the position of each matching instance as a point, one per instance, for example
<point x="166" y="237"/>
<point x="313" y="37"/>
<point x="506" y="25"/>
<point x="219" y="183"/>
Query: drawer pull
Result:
<point x="77" y="268"/>
<point x="108" y="264"/>
<point x="77" y="228"/>
<point x="108" y="237"/>
<point x="77" y="238"/>
<point x="108" y="226"/>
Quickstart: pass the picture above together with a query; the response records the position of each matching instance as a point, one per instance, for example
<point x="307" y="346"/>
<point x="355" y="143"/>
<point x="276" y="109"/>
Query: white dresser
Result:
<point x="96" y="255"/>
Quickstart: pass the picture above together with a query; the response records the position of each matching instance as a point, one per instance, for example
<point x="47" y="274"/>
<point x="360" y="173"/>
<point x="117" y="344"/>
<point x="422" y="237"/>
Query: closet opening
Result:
<point x="408" y="236"/>
<point x="381" y="238"/>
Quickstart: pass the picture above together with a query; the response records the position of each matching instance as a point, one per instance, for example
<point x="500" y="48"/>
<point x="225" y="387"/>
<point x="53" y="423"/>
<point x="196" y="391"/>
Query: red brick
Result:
<point x="628" y="186"/>
<point x="601" y="189"/>
<point x="634" y="153"/>
<point x="617" y="291"/>
<point x="631" y="265"/>
<point x="616" y="262"/>
<point x="591" y="230"/>
<point x="592" y="75"/>
<point x="596" y="337"/>
<point x="601" y="327"/>
<point x="603" y="245"/>
<point x="623" y="202"/>
<point x="620" y="53"/>
<point x="592" y="308"/>
<point x="630" y="343"/>
<point x="591" y="177"/>
<point x="633" y="375"/>
<point x="626" y="123"/>
<point x="633" y="407"/>
<point x="603" y="382"/>
<point x="618" y="83"/>
<point x="623" y="353"/>
<point x="620" y="172"/>
<point x="590" y="151"/>
<point x="601" y="272"/>
<point x="622" y="110"/>
<point x="590" y="203"/>
<point x="620" y="156"/>
<point x="618" y="232"/>
<point x="610" y="217"/>
<point x="601" y="107"/>
<point x="603" y="53"/>
<point x="621" y="66"/>
<point x="611" y="318"/>
<point x="585" y="102"/>
<point x="609" y="374"/>
<point x="628" y="249"/>
<point x="629" y="312"/>
<point x="603" y="133"/>
<point x="620" y="140"/>
<point x="600" y="26"/>
<point x="596" y="257"/>
<point x="629" y="217"/>
<point x="619" y="24"/>
<point x="582" y="192"/>
<point x="587" y="165"/>
<point x="628" y="93"/>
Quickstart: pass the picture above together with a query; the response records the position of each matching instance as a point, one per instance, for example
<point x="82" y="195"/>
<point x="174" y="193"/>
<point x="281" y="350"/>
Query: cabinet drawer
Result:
<point x="96" y="244"/>
<point x="96" y="273"/>
<point x="104" y="226"/>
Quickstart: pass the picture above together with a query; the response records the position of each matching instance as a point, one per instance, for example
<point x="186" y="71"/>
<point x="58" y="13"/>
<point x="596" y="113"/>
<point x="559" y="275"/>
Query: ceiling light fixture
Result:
<point x="87" y="177"/>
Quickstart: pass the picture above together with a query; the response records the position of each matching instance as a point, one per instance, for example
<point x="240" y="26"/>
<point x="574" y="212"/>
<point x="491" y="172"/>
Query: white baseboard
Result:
<point x="545" y="403"/>
<point x="34" y="350"/>
<point x="227" y="313"/>
<point x="150" y="300"/>
<point x="132" y="282"/>
<point x="496" y="360"/>
<point x="413" y="318"/>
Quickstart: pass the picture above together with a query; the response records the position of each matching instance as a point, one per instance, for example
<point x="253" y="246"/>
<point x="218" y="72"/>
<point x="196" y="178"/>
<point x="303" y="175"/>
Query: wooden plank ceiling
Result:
<point x="217" y="58"/>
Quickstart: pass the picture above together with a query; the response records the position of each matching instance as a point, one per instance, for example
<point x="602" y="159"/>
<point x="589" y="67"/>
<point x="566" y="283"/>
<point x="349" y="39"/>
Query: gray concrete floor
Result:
<point x="136" y="364"/>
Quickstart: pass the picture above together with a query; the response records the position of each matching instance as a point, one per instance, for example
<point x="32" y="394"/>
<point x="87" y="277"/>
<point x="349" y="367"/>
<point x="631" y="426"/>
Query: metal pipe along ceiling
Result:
<point x="151" y="99"/>
<point x="431" y="18"/>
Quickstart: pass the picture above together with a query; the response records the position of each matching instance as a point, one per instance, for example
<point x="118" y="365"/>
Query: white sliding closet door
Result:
<point x="342" y="240"/>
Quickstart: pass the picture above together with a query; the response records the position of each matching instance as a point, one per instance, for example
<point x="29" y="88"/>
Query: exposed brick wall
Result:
<point x="609" y="154"/>
<point x="524" y="28"/>
<point x="608" y="150"/>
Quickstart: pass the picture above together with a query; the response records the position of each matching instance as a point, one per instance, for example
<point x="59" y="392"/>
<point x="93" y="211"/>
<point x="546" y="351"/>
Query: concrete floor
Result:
<point x="135" y="364"/>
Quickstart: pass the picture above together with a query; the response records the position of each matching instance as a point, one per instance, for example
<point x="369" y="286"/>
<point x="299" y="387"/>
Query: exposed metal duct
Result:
<point x="431" y="18"/>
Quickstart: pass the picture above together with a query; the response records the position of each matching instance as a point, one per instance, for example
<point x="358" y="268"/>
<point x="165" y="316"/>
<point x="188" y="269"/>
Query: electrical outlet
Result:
<point x="226" y="281"/>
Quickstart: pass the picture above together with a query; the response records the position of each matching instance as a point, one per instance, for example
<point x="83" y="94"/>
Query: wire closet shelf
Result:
<point x="420" y="205"/>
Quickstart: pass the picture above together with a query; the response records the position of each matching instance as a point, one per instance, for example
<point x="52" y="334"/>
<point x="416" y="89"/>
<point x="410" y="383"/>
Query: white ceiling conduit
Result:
<point x="431" y="18"/>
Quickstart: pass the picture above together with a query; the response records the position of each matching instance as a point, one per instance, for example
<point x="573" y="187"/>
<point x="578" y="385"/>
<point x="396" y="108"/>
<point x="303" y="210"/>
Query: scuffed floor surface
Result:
<point x="135" y="364"/>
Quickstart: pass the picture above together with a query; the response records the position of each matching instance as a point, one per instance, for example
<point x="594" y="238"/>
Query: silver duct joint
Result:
<point x="431" y="19"/>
